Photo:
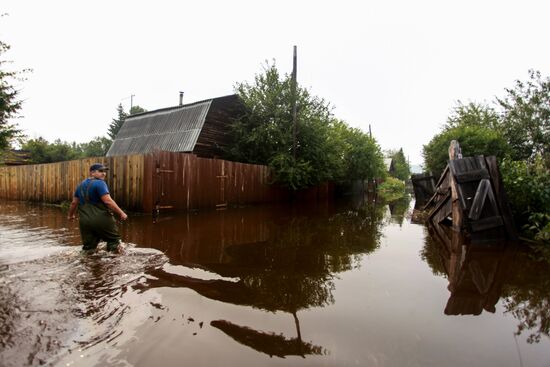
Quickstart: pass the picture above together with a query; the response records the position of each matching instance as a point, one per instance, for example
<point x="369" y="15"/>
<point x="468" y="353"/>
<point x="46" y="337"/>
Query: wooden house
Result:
<point x="201" y="128"/>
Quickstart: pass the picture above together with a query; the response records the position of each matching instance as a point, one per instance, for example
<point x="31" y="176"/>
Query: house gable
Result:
<point x="200" y="127"/>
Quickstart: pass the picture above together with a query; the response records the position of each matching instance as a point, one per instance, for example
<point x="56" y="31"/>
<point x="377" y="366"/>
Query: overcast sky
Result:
<point x="397" y="65"/>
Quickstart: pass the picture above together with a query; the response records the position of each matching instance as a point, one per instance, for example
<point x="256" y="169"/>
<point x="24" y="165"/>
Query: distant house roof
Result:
<point x="199" y="127"/>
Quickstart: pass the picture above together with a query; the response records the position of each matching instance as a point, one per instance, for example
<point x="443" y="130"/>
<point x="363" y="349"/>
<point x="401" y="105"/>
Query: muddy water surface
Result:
<point x="338" y="284"/>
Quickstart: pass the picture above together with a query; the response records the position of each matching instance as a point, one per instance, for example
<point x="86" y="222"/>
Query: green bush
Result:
<point x="473" y="140"/>
<point x="391" y="189"/>
<point x="528" y="190"/>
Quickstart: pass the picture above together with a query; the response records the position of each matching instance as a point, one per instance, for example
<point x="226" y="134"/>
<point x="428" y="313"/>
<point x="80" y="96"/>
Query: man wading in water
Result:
<point x="96" y="221"/>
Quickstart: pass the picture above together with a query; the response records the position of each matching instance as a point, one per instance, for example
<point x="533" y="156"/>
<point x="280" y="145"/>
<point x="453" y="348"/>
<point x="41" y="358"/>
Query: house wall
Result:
<point x="214" y="135"/>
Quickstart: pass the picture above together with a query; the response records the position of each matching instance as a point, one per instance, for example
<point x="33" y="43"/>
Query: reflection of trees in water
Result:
<point x="294" y="268"/>
<point x="359" y="230"/>
<point x="527" y="297"/>
<point x="434" y="253"/>
<point x="268" y="343"/>
<point x="276" y="291"/>
<point x="481" y="274"/>
<point x="285" y="261"/>
<point x="291" y="270"/>
<point x="398" y="209"/>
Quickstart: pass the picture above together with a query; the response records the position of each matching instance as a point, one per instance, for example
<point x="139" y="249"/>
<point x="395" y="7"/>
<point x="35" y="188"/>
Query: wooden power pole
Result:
<point x="294" y="97"/>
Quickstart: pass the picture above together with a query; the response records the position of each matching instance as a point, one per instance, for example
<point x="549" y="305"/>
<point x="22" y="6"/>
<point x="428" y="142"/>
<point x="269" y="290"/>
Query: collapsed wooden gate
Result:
<point x="424" y="188"/>
<point x="470" y="197"/>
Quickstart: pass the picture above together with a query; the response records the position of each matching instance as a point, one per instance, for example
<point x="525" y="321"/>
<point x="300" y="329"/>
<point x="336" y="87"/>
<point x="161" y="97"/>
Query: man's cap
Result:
<point x="98" y="167"/>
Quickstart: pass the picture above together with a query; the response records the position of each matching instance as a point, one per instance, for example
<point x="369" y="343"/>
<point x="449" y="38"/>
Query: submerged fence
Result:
<point x="148" y="181"/>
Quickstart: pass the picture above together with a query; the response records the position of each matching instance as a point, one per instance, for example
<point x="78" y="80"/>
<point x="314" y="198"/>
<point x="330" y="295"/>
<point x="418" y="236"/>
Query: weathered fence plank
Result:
<point x="56" y="182"/>
<point x="185" y="181"/>
<point x="479" y="199"/>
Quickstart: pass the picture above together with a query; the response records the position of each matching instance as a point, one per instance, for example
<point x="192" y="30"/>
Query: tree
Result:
<point x="136" y="109"/>
<point x="10" y="105"/>
<point x="326" y="148"/>
<point x="117" y="123"/>
<point x="472" y="114"/>
<point x="528" y="191"/>
<point x="526" y="118"/>
<point x="402" y="169"/>
<point x="472" y="125"/>
<point x="264" y="133"/>
<point x="42" y="151"/>
<point x="38" y="149"/>
<point x="63" y="151"/>
<point x="356" y="155"/>
<point x="363" y="157"/>
<point x="97" y="147"/>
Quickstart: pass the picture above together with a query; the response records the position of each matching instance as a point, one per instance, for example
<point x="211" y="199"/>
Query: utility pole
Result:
<point x="370" y="132"/>
<point x="294" y="97"/>
<point x="131" y="102"/>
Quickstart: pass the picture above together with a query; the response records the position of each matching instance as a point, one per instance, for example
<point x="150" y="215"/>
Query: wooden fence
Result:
<point x="185" y="181"/>
<point x="157" y="180"/>
<point x="56" y="182"/>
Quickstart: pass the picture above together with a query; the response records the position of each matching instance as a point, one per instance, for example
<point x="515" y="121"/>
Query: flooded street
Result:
<point x="338" y="284"/>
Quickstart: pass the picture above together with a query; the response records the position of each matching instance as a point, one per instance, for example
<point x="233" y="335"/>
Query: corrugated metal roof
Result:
<point x="173" y="129"/>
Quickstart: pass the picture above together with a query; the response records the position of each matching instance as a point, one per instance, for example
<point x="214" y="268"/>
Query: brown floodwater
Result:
<point x="336" y="284"/>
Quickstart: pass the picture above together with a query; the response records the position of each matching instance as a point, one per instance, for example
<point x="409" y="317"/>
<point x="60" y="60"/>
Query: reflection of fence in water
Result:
<point x="199" y="238"/>
<point x="481" y="274"/>
<point x="476" y="271"/>
<point x="203" y="238"/>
